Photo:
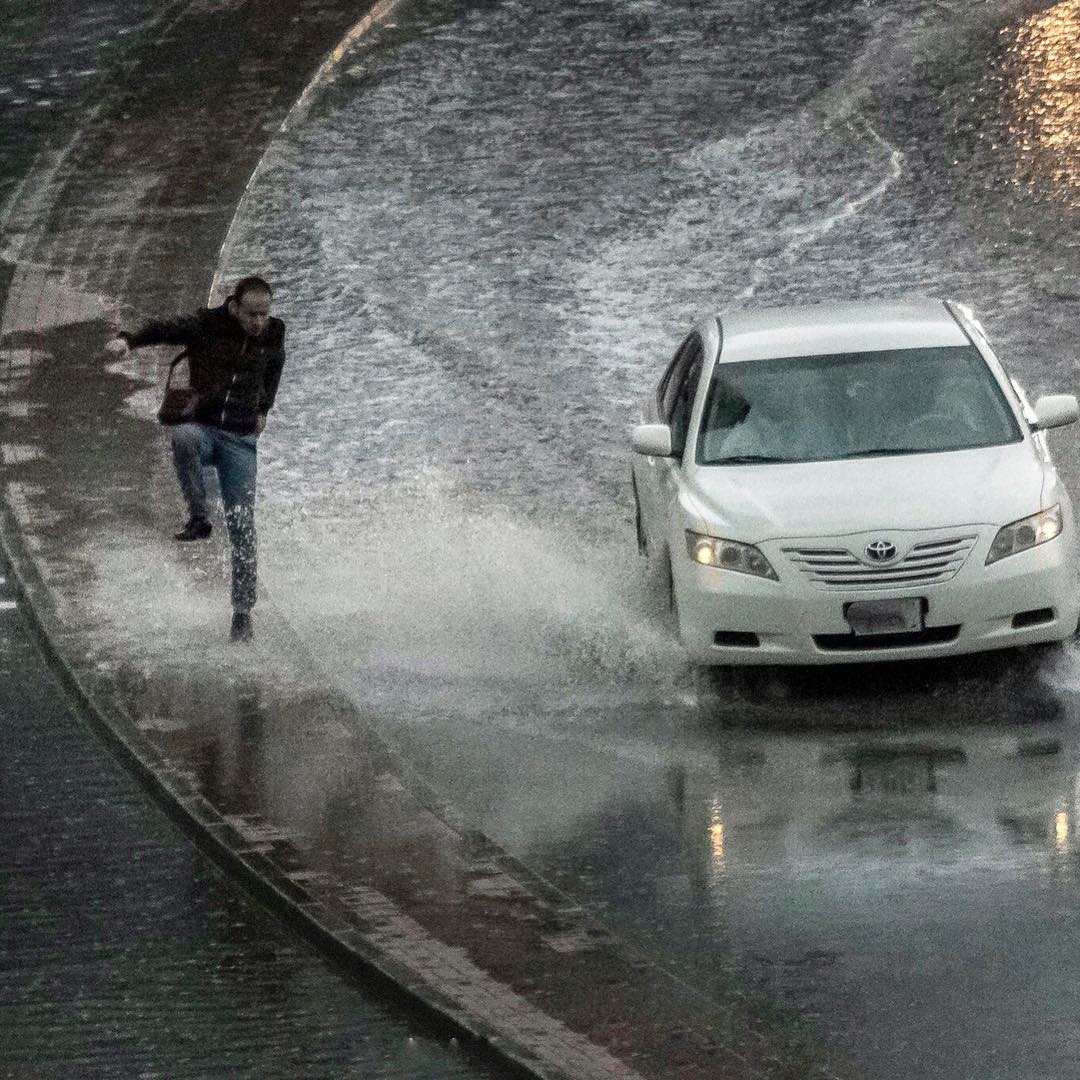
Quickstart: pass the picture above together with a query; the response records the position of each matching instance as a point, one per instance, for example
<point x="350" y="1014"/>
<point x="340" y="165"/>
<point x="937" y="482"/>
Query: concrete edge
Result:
<point x="346" y="946"/>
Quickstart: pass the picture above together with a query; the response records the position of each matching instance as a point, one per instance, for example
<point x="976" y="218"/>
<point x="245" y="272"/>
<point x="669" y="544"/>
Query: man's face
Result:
<point x="251" y="311"/>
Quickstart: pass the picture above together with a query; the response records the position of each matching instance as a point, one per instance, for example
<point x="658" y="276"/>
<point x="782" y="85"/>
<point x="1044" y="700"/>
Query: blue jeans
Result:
<point x="196" y="447"/>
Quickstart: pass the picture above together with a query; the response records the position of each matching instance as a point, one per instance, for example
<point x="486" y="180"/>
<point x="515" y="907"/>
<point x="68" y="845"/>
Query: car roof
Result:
<point x="822" y="329"/>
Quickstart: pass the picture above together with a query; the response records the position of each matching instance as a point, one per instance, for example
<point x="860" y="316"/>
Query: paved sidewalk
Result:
<point x="276" y="773"/>
<point x="124" y="954"/>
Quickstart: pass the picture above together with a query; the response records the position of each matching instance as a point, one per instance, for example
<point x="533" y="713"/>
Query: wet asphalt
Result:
<point x="493" y="235"/>
<point x="892" y="853"/>
<point x="123" y="951"/>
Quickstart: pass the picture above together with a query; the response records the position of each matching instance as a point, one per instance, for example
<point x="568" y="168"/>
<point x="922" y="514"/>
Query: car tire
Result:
<point x="672" y="618"/>
<point x="659" y="586"/>
<point x="642" y="542"/>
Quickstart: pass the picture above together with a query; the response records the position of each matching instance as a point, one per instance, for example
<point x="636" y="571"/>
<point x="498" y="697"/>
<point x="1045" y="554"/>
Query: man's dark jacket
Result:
<point x="235" y="376"/>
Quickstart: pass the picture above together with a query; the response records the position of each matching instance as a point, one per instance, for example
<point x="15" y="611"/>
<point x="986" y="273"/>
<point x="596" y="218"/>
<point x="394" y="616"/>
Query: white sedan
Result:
<point x="853" y="482"/>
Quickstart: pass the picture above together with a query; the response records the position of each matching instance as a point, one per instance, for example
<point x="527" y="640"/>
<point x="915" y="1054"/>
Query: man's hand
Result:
<point x="117" y="347"/>
<point x="260" y="424"/>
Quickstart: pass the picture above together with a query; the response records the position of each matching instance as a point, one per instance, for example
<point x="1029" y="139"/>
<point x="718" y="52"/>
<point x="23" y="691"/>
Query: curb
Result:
<point x="341" y="943"/>
<point x="346" y="943"/>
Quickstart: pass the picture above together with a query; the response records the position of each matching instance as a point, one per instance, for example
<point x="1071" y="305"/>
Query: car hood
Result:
<point x="993" y="486"/>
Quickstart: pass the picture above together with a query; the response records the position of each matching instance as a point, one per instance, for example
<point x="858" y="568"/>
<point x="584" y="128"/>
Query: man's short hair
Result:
<point x="250" y="284"/>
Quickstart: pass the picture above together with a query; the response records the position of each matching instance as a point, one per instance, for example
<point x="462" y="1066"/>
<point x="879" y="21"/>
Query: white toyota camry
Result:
<point x="850" y="482"/>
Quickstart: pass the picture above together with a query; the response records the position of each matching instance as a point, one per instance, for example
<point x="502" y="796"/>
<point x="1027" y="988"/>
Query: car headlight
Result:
<point x="1026" y="533"/>
<point x="728" y="555"/>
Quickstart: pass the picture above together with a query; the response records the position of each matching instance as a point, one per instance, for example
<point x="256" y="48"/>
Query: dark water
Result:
<point x="489" y="235"/>
<point x="123" y="953"/>
<point x="50" y="56"/>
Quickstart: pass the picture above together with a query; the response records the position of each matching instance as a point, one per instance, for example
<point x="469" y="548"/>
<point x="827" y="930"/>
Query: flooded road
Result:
<point x="910" y="884"/>
<point x="53" y="56"/>
<point x="488" y="232"/>
<point x="123" y="952"/>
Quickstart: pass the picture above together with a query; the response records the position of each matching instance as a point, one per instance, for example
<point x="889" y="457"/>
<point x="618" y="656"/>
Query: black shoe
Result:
<point x="197" y="528"/>
<point x="242" y="629"/>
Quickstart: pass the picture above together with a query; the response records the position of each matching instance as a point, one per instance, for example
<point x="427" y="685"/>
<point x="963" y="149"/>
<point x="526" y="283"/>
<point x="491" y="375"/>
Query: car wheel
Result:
<point x="642" y="543"/>
<point x="672" y="600"/>
<point x="658" y="585"/>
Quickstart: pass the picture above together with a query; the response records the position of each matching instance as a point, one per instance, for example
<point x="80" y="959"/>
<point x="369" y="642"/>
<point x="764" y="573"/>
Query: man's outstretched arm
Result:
<point x="180" y="331"/>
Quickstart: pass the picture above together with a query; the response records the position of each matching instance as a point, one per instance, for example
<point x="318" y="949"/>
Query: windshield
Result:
<point x="823" y="408"/>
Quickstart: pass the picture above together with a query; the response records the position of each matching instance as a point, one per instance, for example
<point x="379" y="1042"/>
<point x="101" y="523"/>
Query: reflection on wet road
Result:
<point x="910" y="883"/>
<point x="890" y="852"/>
<point x="1043" y="69"/>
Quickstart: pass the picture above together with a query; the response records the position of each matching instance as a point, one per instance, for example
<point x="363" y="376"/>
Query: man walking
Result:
<point x="235" y="356"/>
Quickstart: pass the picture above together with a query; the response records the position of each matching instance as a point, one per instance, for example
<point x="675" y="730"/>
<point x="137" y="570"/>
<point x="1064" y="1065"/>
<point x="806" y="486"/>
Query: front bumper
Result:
<point x="731" y="618"/>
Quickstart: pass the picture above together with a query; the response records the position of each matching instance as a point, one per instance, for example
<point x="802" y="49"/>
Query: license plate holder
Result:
<point x="903" y="615"/>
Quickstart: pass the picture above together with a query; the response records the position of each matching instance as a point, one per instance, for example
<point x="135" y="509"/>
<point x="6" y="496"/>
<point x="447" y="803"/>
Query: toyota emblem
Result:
<point x="880" y="550"/>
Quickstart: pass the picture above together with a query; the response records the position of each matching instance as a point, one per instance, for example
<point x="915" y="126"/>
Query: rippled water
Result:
<point x="123" y="953"/>
<point x="489" y="231"/>
<point x="50" y="54"/>
<point x="489" y="237"/>
<point x="489" y="234"/>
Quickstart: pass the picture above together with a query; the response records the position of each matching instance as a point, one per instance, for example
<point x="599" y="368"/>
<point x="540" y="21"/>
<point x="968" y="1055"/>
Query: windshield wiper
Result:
<point x="747" y="459"/>
<point x="883" y="451"/>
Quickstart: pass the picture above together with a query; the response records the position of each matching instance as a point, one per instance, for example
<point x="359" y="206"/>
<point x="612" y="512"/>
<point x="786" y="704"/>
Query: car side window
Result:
<point x="684" y="402"/>
<point x="668" y="391"/>
<point x="680" y="391"/>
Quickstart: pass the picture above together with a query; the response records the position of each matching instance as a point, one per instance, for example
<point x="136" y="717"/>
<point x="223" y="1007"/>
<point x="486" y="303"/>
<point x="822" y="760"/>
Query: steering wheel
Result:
<point x="933" y="418"/>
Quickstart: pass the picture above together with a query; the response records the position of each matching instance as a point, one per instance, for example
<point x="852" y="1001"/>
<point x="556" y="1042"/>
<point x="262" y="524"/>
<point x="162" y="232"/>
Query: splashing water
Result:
<point x="482" y="281"/>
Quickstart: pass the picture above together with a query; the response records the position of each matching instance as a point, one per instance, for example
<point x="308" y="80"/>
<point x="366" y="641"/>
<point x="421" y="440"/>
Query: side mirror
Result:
<point x="652" y="440"/>
<point x="1055" y="410"/>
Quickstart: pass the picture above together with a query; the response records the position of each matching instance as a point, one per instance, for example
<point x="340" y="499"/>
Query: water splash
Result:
<point x="430" y="589"/>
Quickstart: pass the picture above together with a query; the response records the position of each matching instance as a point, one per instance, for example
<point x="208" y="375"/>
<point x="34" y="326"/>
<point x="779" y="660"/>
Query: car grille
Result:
<point x="926" y="563"/>
<point x="933" y="635"/>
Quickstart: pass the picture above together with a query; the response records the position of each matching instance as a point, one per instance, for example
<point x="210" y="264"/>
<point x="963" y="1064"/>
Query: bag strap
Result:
<point x="172" y="367"/>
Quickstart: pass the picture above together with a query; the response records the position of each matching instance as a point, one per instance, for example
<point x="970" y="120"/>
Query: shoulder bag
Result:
<point x="178" y="405"/>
